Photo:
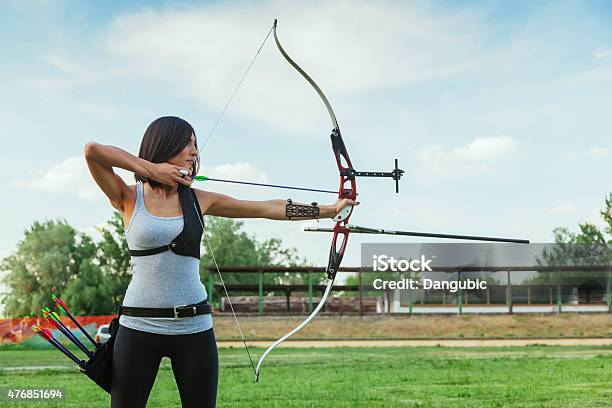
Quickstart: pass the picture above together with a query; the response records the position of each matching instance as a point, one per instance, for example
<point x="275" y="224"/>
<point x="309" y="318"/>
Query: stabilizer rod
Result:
<point x="365" y="230"/>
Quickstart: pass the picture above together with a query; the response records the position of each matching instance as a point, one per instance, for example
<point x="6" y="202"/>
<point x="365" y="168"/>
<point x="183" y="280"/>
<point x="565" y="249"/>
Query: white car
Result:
<point x="103" y="334"/>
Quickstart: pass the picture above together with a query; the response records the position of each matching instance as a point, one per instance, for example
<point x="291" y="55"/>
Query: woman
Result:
<point x="162" y="216"/>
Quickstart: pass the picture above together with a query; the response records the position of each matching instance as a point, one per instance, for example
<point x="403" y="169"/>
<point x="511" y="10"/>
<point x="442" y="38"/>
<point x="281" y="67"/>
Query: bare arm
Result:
<point x="226" y="206"/>
<point x="101" y="160"/>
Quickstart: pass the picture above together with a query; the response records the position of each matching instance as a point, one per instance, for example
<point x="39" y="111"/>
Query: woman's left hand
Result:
<point x="342" y="203"/>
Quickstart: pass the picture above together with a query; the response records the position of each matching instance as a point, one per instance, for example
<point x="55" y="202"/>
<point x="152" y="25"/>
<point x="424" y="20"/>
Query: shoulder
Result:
<point x="207" y="199"/>
<point x="203" y="196"/>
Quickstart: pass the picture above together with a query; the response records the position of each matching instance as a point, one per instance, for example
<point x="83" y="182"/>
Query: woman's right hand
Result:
<point x="170" y="175"/>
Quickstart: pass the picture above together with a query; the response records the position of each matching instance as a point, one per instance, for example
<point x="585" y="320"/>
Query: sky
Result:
<point x="499" y="112"/>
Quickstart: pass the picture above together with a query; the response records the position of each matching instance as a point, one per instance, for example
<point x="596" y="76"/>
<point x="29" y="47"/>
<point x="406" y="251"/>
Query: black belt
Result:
<point x="176" y="312"/>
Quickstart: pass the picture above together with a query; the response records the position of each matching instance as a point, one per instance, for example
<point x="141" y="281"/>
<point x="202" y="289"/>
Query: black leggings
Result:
<point x="136" y="358"/>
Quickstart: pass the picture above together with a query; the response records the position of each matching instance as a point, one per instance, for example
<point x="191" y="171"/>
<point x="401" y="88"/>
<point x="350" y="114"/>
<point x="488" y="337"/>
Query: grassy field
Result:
<point x="540" y="376"/>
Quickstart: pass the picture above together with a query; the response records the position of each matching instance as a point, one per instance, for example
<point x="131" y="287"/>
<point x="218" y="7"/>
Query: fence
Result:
<point x="537" y="289"/>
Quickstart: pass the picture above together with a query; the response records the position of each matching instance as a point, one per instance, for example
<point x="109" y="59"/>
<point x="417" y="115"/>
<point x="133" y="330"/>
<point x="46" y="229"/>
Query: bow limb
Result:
<point x="348" y="187"/>
<point x="307" y="77"/>
<point x="297" y="329"/>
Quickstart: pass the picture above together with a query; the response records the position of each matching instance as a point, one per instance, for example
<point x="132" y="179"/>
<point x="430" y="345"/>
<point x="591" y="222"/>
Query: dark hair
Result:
<point x="165" y="138"/>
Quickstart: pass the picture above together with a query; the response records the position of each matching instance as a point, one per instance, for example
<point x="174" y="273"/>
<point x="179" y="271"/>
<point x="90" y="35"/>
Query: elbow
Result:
<point x="89" y="149"/>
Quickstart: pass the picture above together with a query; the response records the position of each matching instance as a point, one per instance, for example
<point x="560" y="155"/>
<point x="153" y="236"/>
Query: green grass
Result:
<point x="538" y="376"/>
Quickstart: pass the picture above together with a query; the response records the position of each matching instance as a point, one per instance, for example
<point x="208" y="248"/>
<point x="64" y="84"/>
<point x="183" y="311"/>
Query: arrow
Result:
<point x="249" y="183"/>
<point x="61" y="305"/>
<point x="54" y="319"/>
<point x="47" y="335"/>
<point x="365" y="230"/>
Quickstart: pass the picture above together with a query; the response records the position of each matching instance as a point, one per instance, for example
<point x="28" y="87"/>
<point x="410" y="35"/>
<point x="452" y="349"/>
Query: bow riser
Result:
<point x="335" y="253"/>
<point x="345" y="167"/>
<point x="348" y="185"/>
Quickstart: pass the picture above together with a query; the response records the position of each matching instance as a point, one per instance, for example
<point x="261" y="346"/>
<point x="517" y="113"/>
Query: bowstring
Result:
<point x="216" y="124"/>
<point x="229" y="300"/>
<point x="224" y="288"/>
<point x="236" y="89"/>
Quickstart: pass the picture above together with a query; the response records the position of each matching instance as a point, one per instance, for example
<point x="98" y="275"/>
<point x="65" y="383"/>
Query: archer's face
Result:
<point x="186" y="157"/>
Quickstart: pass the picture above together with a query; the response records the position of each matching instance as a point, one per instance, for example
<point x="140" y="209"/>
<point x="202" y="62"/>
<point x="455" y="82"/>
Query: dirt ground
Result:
<point x="574" y="328"/>
<point x="426" y="343"/>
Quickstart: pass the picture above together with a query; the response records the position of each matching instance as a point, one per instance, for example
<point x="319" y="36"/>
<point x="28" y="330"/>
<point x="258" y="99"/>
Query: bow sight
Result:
<point x="396" y="174"/>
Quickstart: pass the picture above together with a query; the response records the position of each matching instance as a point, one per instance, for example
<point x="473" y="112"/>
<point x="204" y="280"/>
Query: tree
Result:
<point x="46" y="260"/>
<point x="589" y="247"/>
<point x="113" y="256"/>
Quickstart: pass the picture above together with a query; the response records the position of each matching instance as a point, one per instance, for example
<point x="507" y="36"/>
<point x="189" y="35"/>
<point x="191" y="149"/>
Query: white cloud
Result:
<point x="569" y="155"/>
<point x="200" y="52"/>
<point x="63" y="65"/>
<point x="596" y="219"/>
<point x="600" y="151"/>
<point x="476" y="156"/>
<point x="603" y="52"/>
<point x="562" y="209"/>
<point x="69" y="176"/>
<point x="67" y="74"/>
<point x="486" y="149"/>
<point x="236" y="172"/>
<point x="595" y="151"/>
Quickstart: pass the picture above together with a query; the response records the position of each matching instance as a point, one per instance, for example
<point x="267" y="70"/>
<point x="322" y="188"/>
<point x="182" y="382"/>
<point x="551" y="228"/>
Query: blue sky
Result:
<point x="499" y="112"/>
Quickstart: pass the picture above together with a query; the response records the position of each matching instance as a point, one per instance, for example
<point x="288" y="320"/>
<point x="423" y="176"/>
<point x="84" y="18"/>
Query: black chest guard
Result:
<point x="187" y="243"/>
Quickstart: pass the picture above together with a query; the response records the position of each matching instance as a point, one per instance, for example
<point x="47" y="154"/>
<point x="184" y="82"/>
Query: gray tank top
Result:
<point x="162" y="280"/>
